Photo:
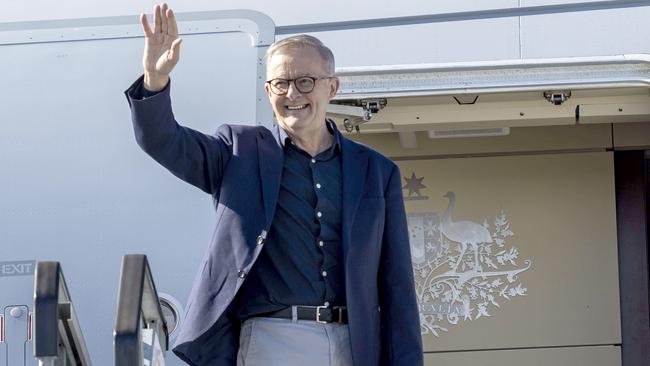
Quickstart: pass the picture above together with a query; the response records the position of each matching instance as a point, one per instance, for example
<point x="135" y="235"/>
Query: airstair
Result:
<point x="41" y="327"/>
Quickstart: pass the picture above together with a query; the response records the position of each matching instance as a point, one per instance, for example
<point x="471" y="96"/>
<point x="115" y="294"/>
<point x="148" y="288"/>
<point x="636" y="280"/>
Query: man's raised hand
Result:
<point x="161" y="47"/>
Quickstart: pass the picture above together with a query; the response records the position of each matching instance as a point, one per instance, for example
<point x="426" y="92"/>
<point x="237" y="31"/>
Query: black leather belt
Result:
<point x="321" y="314"/>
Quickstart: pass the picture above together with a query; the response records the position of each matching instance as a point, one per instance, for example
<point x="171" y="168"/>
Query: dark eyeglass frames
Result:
<point x="304" y="84"/>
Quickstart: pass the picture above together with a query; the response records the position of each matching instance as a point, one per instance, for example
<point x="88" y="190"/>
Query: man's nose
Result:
<point x="293" y="92"/>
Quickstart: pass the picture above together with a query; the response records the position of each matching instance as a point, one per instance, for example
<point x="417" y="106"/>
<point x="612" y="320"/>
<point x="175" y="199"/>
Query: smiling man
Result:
<point x="309" y="263"/>
<point x="301" y="82"/>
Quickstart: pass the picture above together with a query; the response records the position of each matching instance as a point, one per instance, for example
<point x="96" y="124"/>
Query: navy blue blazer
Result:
<point x="241" y="167"/>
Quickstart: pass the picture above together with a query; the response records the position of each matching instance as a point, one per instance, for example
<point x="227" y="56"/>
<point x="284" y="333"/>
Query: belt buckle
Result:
<point x="318" y="308"/>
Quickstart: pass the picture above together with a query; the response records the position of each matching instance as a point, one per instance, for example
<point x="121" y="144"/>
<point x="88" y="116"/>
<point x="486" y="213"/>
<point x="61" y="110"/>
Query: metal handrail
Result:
<point x="138" y="309"/>
<point x="58" y="339"/>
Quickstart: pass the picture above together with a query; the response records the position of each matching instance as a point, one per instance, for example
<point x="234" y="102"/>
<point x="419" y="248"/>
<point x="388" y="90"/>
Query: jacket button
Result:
<point x="260" y="240"/>
<point x="241" y="274"/>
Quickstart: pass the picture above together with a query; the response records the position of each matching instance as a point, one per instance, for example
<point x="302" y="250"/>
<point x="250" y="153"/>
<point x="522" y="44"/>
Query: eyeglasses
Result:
<point x="304" y="84"/>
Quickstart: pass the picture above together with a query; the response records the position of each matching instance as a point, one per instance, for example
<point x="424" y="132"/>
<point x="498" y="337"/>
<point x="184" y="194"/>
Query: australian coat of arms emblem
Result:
<point x="462" y="269"/>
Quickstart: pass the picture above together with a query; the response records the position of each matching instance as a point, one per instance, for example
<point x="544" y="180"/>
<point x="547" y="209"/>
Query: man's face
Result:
<point x="298" y="111"/>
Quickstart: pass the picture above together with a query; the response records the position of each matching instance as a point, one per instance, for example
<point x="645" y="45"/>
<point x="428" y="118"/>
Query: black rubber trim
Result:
<point x="46" y="309"/>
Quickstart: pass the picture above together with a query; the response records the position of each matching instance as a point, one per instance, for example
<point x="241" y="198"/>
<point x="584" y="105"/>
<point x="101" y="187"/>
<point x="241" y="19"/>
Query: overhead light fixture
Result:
<point x="473" y="132"/>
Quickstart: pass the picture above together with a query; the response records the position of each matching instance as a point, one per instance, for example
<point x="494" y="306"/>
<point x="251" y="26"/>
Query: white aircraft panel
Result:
<point x="490" y="39"/>
<point x="589" y="33"/>
<point x="283" y="12"/>
<point x="77" y="189"/>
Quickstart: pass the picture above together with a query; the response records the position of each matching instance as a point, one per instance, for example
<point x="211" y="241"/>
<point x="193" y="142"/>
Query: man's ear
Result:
<point x="334" y="86"/>
<point x="267" y="88"/>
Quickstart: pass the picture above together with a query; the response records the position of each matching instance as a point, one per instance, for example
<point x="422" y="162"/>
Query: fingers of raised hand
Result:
<point x="172" y="26"/>
<point x="164" y="21"/>
<point x="145" y="26"/>
<point x="157" y="19"/>
<point x="163" y="17"/>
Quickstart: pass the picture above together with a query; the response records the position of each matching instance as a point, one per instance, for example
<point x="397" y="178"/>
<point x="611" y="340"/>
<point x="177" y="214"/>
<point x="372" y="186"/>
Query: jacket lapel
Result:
<point x="270" y="159"/>
<point x="355" y="163"/>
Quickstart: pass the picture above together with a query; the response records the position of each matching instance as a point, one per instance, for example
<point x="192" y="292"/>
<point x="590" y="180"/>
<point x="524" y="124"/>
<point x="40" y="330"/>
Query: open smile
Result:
<point x="296" y="107"/>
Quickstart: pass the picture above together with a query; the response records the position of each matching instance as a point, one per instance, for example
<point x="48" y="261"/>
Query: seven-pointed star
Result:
<point x="414" y="184"/>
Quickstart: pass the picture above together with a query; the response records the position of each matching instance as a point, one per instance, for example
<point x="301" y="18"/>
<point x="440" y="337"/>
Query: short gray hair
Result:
<point x="300" y="41"/>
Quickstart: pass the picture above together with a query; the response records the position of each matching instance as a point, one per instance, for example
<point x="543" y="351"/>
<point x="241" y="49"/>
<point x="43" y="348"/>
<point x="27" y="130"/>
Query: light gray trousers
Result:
<point x="283" y="342"/>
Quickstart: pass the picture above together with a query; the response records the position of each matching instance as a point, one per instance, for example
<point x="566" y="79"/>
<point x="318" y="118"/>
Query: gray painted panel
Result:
<point x="16" y="288"/>
<point x="16" y="333"/>
<point x="592" y="33"/>
<point x="631" y="211"/>
<point x="3" y="354"/>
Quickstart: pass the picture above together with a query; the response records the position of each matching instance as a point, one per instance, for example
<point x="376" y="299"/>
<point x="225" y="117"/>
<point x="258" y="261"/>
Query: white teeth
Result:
<point x="296" y="107"/>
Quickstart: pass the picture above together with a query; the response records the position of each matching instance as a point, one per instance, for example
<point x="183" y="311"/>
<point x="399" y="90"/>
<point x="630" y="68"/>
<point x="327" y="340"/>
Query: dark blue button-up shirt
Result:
<point x="302" y="259"/>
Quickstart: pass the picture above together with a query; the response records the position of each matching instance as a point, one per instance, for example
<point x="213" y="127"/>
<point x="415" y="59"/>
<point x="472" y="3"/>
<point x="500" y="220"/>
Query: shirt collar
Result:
<point x="331" y="128"/>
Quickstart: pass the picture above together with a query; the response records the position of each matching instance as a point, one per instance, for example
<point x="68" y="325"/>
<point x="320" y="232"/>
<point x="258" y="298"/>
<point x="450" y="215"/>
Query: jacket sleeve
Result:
<point x="196" y="158"/>
<point x="400" y="319"/>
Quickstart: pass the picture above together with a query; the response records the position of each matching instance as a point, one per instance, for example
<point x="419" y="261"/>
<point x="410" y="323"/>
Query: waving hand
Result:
<point x="162" y="47"/>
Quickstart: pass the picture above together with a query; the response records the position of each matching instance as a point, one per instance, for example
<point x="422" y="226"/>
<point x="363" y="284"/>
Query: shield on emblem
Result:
<point x="416" y="239"/>
<point x="424" y="237"/>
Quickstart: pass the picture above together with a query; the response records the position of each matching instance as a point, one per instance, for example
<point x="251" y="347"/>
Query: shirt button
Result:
<point x="313" y="161"/>
<point x="326" y="304"/>
<point x="260" y="240"/>
<point x="319" y="214"/>
<point x="324" y="273"/>
<point x="318" y="185"/>
<point x="241" y="274"/>
<point x="320" y="243"/>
